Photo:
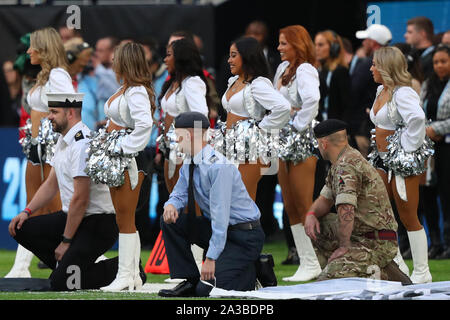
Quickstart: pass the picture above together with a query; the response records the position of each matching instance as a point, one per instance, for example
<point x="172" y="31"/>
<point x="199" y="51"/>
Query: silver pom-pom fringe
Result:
<point x="26" y="141"/>
<point x="297" y="146"/>
<point x="106" y="160"/>
<point x="245" y="142"/>
<point x="399" y="161"/>
<point x="47" y="137"/>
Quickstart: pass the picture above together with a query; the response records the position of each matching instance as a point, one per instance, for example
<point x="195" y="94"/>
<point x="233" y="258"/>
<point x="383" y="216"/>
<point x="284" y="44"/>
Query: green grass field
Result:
<point x="440" y="269"/>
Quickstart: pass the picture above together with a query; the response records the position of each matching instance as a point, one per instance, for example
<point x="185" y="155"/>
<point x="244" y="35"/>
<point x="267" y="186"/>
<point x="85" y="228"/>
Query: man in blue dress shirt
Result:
<point x="228" y="230"/>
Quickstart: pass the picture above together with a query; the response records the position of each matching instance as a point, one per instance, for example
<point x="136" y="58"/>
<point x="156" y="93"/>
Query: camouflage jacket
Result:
<point x="352" y="180"/>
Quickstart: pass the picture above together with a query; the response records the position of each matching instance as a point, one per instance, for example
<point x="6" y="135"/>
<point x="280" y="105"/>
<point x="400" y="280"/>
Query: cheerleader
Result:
<point x="186" y="90"/>
<point x="298" y="80"/>
<point x="251" y="103"/>
<point x="130" y="108"/>
<point x="47" y="50"/>
<point x="400" y="149"/>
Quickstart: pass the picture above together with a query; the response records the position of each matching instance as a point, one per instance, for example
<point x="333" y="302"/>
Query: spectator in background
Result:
<point x="419" y="34"/>
<point x="350" y="58"/>
<point x="435" y="98"/>
<point x="67" y="33"/>
<point x="446" y="38"/>
<point x="13" y="81"/>
<point x="363" y="87"/>
<point x="79" y="55"/>
<point x="107" y="83"/>
<point x="334" y="77"/>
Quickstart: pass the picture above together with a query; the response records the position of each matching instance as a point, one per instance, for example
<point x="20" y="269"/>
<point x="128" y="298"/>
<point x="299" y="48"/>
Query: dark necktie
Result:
<point x="191" y="200"/>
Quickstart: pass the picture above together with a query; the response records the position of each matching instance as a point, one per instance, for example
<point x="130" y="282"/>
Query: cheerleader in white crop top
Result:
<point x="53" y="77"/>
<point x="400" y="144"/>
<point x="252" y="104"/>
<point x="130" y="108"/>
<point x="298" y="80"/>
<point x="186" y="90"/>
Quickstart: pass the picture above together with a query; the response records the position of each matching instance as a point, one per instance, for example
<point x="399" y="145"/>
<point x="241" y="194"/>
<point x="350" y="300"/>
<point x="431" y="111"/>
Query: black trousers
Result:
<point x="442" y="160"/>
<point x="235" y="267"/>
<point x="77" y="269"/>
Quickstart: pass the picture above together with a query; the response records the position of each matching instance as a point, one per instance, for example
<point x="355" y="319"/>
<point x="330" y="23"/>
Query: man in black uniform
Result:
<point x="70" y="241"/>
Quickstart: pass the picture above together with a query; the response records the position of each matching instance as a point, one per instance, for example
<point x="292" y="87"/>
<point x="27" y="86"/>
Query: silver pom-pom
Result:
<point x="399" y="161"/>
<point x="27" y="140"/>
<point x="168" y="142"/>
<point x="297" y="146"/>
<point x="245" y="142"/>
<point x="48" y="138"/>
<point x="106" y="160"/>
<point x="373" y="155"/>
<point x="403" y="163"/>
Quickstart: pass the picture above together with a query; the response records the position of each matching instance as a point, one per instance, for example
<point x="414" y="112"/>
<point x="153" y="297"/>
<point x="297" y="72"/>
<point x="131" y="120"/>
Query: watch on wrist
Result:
<point x="66" y="240"/>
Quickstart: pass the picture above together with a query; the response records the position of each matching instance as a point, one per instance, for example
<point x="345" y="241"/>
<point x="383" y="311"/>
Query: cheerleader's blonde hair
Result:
<point x="393" y="68"/>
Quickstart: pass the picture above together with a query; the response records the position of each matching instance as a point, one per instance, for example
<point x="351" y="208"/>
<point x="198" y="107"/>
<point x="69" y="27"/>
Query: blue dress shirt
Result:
<point x="220" y="194"/>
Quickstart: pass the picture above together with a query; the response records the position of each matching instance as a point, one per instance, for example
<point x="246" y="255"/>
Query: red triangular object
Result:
<point x="157" y="261"/>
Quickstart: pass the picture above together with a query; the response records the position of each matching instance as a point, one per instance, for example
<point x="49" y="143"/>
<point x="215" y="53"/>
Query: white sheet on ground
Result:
<point x="345" y="289"/>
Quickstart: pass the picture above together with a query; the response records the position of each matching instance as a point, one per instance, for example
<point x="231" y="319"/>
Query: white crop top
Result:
<point x="132" y="110"/>
<point x="408" y="106"/>
<point x="265" y="95"/>
<point x="306" y="82"/>
<point x="236" y="104"/>
<point x="191" y="97"/>
<point x="59" y="80"/>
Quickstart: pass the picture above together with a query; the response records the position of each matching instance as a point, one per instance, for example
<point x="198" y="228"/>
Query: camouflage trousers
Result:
<point x="365" y="259"/>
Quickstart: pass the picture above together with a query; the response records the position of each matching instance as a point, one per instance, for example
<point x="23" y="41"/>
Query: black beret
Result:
<point x="327" y="127"/>
<point x="187" y="120"/>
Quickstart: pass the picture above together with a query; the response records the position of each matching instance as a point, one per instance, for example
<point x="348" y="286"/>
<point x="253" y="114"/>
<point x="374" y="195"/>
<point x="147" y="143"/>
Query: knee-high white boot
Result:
<point x="125" y="278"/>
<point x="401" y="263"/>
<point x="419" y="251"/>
<point x="21" y="264"/>
<point x="309" y="265"/>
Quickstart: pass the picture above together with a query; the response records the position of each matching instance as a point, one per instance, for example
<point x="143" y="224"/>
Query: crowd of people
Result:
<point x="373" y="104"/>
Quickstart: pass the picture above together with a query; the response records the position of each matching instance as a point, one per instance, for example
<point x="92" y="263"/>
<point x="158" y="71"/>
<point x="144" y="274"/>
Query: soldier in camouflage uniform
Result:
<point x="360" y="240"/>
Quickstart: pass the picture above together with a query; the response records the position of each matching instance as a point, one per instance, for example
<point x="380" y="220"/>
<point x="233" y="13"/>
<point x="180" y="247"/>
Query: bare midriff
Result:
<point x="36" y="117"/>
<point x="233" y="118"/>
<point x="112" y="126"/>
<point x="380" y="138"/>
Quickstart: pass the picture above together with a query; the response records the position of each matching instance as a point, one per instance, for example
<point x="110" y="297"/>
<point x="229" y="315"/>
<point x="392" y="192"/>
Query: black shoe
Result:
<point x="183" y="289"/>
<point x="42" y="265"/>
<point x="444" y="255"/>
<point x="292" y="257"/>
<point x="264" y="271"/>
<point x="434" y="251"/>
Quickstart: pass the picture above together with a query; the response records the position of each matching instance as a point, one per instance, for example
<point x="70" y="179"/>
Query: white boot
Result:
<point x="309" y="265"/>
<point x="401" y="263"/>
<point x="419" y="251"/>
<point x="21" y="264"/>
<point x="126" y="271"/>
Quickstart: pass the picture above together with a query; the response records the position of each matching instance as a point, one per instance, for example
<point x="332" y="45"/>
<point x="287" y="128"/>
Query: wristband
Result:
<point x="27" y="211"/>
<point x="311" y="213"/>
<point x="66" y="240"/>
